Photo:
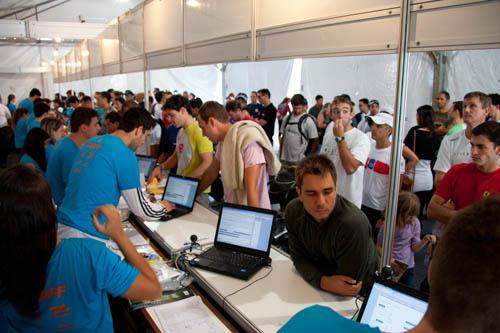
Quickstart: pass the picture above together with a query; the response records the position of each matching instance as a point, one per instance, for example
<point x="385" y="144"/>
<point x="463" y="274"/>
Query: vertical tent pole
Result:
<point x="397" y="135"/>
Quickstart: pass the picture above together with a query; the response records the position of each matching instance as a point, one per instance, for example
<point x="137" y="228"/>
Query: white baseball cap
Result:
<point x="382" y="118"/>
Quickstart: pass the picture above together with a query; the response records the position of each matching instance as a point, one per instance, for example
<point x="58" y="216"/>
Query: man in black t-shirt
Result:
<point x="267" y="116"/>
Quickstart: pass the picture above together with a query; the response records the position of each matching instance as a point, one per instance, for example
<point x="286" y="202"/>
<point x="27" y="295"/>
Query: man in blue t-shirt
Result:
<point x="41" y="112"/>
<point x="84" y="126"/>
<point x="28" y="104"/>
<point x="104" y="169"/>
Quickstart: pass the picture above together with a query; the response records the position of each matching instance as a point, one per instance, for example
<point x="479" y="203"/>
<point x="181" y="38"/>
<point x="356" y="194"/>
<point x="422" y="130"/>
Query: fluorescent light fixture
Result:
<point x="57" y="39"/>
<point x="193" y="3"/>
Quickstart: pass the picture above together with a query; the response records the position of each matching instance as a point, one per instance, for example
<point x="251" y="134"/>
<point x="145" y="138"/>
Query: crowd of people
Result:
<point x="68" y="161"/>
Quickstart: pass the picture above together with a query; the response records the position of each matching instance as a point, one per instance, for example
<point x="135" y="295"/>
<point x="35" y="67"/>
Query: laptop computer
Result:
<point x="242" y="242"/>
<point x="180" y="191"/>
<point x="392" y="307"/>
<point x="146" y="164"/>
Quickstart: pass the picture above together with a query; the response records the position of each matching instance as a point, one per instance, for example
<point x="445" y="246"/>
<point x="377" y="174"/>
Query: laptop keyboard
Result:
<point x="234" y="258"/>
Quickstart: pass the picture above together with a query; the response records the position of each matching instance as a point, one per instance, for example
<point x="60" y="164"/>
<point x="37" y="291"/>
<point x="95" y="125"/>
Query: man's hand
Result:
<point x="341" y="285"/>
<point x="168" y="205"/>
<point x="113" y="226"/>
<point x="156" y="173"/>
<point x="338" y="128"/>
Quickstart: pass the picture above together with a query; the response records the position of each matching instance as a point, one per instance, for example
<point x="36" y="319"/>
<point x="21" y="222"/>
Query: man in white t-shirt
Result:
<point x="377" y="169"/>
<point x="298" y="131"/>
<point x="456" y="148"/>
<point x="348" y="148"/>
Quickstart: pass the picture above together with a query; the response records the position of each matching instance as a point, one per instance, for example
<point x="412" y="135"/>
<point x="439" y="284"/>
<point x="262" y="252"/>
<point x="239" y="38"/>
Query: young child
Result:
<point x="406" y="235"/>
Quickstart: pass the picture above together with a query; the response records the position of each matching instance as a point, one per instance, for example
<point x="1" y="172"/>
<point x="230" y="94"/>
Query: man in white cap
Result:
<point x="377" y="168"/>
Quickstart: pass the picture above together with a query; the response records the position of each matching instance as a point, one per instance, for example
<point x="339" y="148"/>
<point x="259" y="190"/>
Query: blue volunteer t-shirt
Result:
<point x="80" y="274"/>
<point x="49" y="150"/>
<point x="26" y="159"/>
<point x="33" y="123"/>
<point x="59" y="166"/>
<point x="319" y="318"/>
<point x="103" y="168"/>
<point x="29" y="105"/>
<point x="21" y="132"/>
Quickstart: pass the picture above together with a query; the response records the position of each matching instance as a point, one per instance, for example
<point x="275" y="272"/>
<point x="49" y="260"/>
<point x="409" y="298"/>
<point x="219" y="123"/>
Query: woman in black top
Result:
<point x="422" y="140"/>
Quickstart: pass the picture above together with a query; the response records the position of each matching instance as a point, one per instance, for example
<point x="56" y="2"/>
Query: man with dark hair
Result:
<point x="254" y="108"/>
<point x="267" y="116"/>
<point x="440" y="116"/>
<point x="28" y="103"/>
<point x="328" y="236"/>
<point x="195" y="105"/>
<point x="364" y="112"/>
<point x="241" y="98"/>
<point x="244" y="174"/>
<point x="193" y="152"/>
<point x="156" y="108"/>
<point x="236" y="112"/>
<point x="105" y="169"/>
<point x="71" y="105"/>
<point x="104" y="102"/>
<point x="298" y="133"/>
<point x="84" y="125"/>
<point x="465" y="184"/>
<point x="464" y="293"/>
<point x="374" y="107"/>
<point x="456" y="148"/>
<point x="316" y="108"/>
<point x="494" y="107"/>
<point x="41" y="112"/>
<point x="129" y="95"/>
<point x="112" y="121"/>
<point x="86" y="102"/>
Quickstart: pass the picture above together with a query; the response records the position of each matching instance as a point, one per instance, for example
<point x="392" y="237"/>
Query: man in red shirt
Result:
<point x="466" y="183"/>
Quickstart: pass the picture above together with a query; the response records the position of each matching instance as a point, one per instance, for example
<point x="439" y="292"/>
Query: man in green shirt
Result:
<point x="329" y="237"/>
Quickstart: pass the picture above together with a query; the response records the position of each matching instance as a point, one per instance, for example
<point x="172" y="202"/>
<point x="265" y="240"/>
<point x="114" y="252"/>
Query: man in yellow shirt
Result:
<point x="194" y="152"/>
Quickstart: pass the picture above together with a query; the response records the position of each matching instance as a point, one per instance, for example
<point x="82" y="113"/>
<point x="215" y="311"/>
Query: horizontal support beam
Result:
<point x="50" y="30"/>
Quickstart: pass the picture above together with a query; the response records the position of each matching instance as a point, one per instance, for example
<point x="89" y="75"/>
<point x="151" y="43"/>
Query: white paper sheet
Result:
<point x="187" y="316"/>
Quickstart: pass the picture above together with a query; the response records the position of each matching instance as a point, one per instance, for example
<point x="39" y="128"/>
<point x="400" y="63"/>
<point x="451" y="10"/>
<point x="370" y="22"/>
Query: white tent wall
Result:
<point x="472" y="71"/>
<point x="121" y="82"/>
<point x="204" y="81"/>
<point x="248" y="76"/>
<point x="18" y="84"/>
<point x="372" y="77"/>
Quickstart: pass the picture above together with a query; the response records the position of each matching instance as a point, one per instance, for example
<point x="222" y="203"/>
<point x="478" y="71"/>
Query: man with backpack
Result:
<point x="298" y="133"/>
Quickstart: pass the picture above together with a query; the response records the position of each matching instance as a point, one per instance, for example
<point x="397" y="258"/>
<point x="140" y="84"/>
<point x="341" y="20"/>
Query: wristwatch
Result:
<point x="339" y="139"/>
<point x="159" y="165"/>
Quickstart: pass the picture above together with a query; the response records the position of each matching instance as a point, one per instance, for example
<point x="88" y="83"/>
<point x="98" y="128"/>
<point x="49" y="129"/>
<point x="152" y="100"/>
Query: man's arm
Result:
<point x="349" y="162"/>
<point x="440" y="209"/>
<point x="251" y="184"/>
<point x="206" y="161"/>
<point x="411" y="158"/>
<point x="438" y="178"/>
<point x="169" y="164"/>
<point x="143" y="207"/>
<point x="210" y="175"/>
<point x="314" y="145"/>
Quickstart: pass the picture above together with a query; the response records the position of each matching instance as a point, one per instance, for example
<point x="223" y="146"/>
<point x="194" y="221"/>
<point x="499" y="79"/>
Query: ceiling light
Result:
<point x="44" y="64"/>
<point x="58" y="39"/>
<point x="193" y="3"/>
<point x="85" y="53"/>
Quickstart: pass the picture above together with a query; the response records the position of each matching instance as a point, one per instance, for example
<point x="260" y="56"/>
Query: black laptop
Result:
<point x="146" y="164"/>
<point x="242" y="242"/>
<point x="180" y="191"/>
<point x="392" y="307"/>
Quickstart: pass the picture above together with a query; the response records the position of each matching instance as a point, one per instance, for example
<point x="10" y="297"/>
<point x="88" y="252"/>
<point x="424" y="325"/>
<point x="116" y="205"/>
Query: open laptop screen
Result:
<point x="181" y="190"/>
<point x="245" y="227"/>
<point x="392" y="308"/>
<point x="146" y="164"/>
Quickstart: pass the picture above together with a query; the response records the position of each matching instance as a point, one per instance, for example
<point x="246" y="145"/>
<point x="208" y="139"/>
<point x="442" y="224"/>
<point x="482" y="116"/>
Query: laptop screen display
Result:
<point x="146" y="164"/>
<point x="392" y="310"/>
<point x="181" y="191"/>
<point x="245" y="228"/>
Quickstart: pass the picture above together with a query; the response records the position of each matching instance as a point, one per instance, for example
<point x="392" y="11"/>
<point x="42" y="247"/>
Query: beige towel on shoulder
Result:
<point x="237" y="139"/>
